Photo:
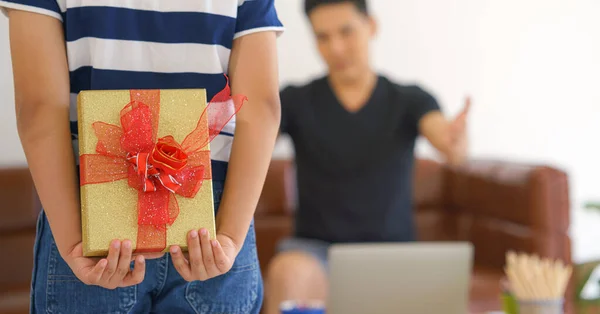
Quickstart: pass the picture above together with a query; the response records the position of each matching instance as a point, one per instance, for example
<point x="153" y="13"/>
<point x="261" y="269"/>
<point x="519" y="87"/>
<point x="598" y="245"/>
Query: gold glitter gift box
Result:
<point x="144" y="168"/>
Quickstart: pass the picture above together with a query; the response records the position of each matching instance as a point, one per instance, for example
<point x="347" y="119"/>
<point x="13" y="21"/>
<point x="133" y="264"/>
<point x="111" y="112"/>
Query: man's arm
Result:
<point x="448" y="137"/>
<point x="254" y="73"/>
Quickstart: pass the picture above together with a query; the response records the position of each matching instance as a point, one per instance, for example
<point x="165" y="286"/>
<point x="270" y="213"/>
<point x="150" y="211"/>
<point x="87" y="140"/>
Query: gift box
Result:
<point x="145" y="170"/>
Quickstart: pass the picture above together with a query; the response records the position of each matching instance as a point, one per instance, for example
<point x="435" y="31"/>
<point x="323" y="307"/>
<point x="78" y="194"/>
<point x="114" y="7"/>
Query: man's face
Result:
<point x="343" y="34"/>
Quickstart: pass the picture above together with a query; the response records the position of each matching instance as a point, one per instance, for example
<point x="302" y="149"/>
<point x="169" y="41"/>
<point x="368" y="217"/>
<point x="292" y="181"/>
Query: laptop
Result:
<point x="411" y="278"/>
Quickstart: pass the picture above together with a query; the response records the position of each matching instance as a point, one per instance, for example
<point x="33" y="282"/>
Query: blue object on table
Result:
<point x="292" y="307"/>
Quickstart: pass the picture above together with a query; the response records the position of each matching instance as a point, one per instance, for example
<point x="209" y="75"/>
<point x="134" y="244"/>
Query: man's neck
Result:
<point x="361" y="82"/>
<point x="354" y="94"/>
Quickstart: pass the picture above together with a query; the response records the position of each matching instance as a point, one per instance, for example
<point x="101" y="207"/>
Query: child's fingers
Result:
<point x="123" y="267"/>
<point x="94" y="277"/>
<point x="221" y="259"/>
<point x="195" y="253"/>
<point x="181" y="264"/>
<point x="137" y="275"/>
<point x="207" y="254"/>
<point x="113" y="259"/>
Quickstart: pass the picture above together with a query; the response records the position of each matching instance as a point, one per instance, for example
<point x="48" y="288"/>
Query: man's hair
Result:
<point x="310" y="5"/>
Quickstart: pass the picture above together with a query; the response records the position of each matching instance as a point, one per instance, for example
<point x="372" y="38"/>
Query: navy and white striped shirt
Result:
<point x="153" y="44"/>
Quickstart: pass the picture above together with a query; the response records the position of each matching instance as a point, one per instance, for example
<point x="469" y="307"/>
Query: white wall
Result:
<point x="10" y="147"/>
<point x="531" y="67"/>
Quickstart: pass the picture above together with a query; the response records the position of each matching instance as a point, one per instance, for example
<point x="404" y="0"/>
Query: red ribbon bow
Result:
<point x="157" y="169"/>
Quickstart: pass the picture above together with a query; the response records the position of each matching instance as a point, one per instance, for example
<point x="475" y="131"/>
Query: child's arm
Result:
<point x="254" y="73"/>
<point x="41" y="78"/>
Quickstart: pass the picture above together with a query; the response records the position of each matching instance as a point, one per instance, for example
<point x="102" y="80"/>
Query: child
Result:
<point x="61" y="47"/>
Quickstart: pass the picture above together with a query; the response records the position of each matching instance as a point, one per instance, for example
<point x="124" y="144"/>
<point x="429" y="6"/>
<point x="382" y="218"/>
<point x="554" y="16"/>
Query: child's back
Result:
<point x="149" y="44"/>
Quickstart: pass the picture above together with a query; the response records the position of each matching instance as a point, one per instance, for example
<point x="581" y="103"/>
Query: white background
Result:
<point x="531" y="66"/>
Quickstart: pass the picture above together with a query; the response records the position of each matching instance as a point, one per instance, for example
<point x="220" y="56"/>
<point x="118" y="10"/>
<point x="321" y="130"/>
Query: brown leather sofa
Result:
<point x="18" y="212"/>
<point x="497" y="206"/>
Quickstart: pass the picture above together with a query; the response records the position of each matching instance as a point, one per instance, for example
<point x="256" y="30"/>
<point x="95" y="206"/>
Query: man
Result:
<point x="354" y="134"/>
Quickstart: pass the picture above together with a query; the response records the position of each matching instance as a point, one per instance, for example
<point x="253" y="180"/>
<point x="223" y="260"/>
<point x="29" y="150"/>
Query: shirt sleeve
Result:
<point x="45" y="7"/>
<point x="257" y="16"/>
<point x="421" y="104"/>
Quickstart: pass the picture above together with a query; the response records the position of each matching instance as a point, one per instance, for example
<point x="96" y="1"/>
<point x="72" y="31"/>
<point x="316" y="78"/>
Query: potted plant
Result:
<point x="592" y="205"/>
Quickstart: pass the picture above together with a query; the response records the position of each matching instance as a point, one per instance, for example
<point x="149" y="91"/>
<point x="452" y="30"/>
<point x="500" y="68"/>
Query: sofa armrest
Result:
<point x="511" y="206"/>
<point x="534" y="196"/>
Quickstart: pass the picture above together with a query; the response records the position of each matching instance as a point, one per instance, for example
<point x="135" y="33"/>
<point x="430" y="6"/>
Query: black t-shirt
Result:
<point x="354" y="170"/>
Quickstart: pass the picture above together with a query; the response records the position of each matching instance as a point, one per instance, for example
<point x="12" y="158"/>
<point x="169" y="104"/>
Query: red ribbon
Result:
<point x="157" y="168"/>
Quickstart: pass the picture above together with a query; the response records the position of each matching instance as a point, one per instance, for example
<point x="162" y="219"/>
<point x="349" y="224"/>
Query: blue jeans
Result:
<point x="56" y="290"/>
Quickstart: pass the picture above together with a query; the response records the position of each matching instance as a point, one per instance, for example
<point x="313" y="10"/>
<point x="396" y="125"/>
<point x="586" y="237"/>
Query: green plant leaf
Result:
<point x="592" y="205"/>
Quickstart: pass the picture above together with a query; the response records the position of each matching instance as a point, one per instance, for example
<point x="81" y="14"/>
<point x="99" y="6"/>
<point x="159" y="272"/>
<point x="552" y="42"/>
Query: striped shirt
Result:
<point x="153" y="44"/>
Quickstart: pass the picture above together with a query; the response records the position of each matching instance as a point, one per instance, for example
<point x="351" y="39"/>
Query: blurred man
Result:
<point x="354" y="134"/>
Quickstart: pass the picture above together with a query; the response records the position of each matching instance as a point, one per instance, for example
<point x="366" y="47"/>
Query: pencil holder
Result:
<point x="541" y="306"/>
<point x="538" y="284"/>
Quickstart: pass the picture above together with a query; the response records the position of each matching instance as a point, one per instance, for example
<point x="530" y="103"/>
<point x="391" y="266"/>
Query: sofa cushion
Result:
<point x="20" y="205"/>
<point x="278" y="196"/>
<point x="430" y="189"/>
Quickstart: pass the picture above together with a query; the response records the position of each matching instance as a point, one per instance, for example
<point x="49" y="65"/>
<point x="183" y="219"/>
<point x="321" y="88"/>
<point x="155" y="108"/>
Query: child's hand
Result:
<point x="110" y="272"/>
<point x="207" y="258"/>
